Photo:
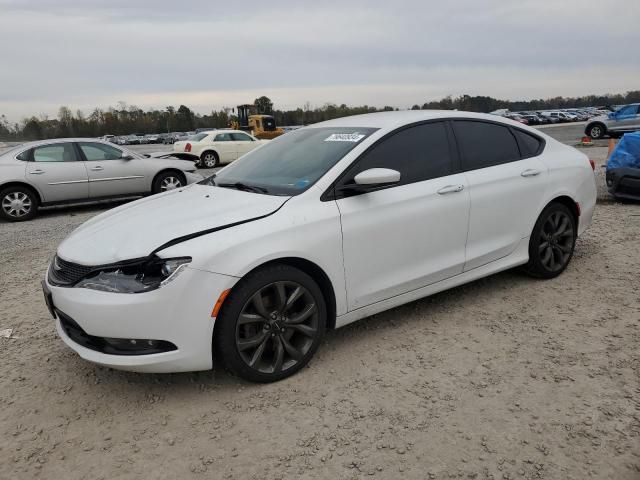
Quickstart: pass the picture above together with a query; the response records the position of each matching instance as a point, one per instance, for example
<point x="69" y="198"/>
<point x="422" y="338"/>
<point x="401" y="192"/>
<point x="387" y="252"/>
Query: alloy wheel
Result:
<point x="209" y="160"/>
<point x="170" y="183"/>
<point x="276" y="327"/>
<point x="556" y="241"/>
<point x="17" y="204"/>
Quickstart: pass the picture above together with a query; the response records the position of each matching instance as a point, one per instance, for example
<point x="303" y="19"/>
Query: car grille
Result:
<point x="63" y="273"/>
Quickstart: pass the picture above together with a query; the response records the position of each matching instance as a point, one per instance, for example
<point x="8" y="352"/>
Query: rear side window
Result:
<point x="241" y="137"/>
<point x="419" y="153"/>
<point x="223" y="137"/>
<point x="529" y="145"/>
<point x="59" y="152"/>
<point x="485" y="144"/>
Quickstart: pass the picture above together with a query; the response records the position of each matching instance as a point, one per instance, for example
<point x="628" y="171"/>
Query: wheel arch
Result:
<point x="210" y="149"/>
<point x="316" y="273"/>
<point x="23" y="184"/>
<point x="567" y="201"/>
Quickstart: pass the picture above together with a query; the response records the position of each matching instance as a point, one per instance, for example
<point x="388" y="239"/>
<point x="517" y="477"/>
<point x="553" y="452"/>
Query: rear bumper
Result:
<point x="624" y="183"/>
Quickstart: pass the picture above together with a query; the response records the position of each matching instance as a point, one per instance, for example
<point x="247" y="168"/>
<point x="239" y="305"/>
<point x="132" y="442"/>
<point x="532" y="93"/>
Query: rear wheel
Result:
<point x="597" y="131"/>
<point x="18" y="204"/>
<point x="166" y="181"/>
<point x="552" y="242"/>
<point x="208" y="160"/>
<point x="271" y="324"/>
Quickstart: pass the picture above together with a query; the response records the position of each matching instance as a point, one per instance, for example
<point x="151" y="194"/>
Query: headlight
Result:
<point x="136" y="278"/>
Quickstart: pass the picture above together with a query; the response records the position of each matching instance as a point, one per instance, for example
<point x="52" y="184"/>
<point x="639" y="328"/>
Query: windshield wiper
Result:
<point x="243" y="187"/>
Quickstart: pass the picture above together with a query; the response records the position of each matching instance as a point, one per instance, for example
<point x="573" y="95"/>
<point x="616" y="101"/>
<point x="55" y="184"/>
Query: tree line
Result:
<point x="126" y="119"/>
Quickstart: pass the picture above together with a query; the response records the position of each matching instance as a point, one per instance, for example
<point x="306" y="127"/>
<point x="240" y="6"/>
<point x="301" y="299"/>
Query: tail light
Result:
<point x="187" y="147"/>
<point x="593" y="164"/>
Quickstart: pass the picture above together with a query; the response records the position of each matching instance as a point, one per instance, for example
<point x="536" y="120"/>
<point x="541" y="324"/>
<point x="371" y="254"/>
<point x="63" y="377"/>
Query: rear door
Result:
<point x="506" y="187"/>
<point x="225" y="145"/>
<point x="112" y="172"/>
<point x="413" y="233"/>
<point x="57" y="172"/>
<point x="244" y="143"/>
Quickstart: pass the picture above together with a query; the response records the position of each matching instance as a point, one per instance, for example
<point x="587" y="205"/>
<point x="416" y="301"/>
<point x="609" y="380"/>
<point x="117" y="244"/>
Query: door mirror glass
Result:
<point x="126" y="156"/>
<point x="377" y="176"/>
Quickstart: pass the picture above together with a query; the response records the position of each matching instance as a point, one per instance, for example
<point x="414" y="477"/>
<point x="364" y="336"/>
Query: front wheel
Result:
<point x="168" y="181"/>
<point x="271" y="324"/>
<point x="552" y="242"/>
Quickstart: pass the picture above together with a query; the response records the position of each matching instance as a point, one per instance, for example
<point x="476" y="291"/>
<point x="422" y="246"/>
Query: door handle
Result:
<point x="450" y="189"/>
<point x="37" y="172"/>
<point x="530" y="173"/>
<point x="97" y="169"/>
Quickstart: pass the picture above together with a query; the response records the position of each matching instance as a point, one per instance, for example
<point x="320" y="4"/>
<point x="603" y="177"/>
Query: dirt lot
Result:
<point x="503" y="378"/>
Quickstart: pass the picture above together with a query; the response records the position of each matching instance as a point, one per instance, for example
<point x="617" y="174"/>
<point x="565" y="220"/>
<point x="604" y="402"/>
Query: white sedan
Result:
<point x="217" y="147"/>
<point x="319" y="228"/>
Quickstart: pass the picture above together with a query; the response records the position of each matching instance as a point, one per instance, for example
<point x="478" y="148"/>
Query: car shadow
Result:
<point x="368" y="330"/>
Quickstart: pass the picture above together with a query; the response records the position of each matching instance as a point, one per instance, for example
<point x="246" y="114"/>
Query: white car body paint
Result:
<point x="378" y="250"/>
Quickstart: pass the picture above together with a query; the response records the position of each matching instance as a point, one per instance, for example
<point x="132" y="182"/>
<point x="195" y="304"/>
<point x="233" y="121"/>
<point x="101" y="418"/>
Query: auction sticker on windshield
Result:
<point x="354" y="137"/>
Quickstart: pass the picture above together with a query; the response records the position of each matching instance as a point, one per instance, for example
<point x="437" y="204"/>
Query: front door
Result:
<point x="58" y="173"/>
<point x="411" y="234"/>
<point x="112" y="172"/>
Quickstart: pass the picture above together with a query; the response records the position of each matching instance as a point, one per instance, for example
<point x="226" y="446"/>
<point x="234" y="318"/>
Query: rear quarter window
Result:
<point x="530" y="145"/>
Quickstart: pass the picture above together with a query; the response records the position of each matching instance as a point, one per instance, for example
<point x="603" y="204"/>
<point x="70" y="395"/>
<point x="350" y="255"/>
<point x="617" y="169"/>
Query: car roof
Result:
<point x="390" y="120"/>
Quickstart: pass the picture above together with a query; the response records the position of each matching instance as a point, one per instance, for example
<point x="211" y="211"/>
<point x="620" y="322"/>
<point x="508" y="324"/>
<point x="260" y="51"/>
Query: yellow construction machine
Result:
<point x="260" y="126"/>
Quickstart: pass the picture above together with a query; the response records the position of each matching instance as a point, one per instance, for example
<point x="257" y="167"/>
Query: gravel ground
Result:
<point x="503" y="378"/>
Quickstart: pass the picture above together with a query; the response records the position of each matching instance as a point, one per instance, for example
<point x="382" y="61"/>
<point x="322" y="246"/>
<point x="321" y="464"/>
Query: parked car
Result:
<point x="316" y="229"/>
<point x="151" y="137"/>
<point x="625" y="119"/>
<point x="517" y="118"/>
<point x="211" y="149"/>
<point x="557" y="116"/>
<point x="623" y="168"/>
<point x="108" y="138"/>
<point x="200" y="130"/>
<point x="81" y="170"/>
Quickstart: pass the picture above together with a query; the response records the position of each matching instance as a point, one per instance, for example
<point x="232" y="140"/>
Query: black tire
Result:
<point x="552" y="242"/>
<point x="597" y="131"/>
<point x="279" y="345"/>
<point x="208" y="159"/>
<point x="168" y="180"/>
<point x="18" y="204"/>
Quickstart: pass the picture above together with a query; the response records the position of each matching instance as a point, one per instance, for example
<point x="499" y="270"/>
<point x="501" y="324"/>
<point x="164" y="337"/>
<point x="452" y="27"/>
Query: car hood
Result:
<point x="137" y="229"/>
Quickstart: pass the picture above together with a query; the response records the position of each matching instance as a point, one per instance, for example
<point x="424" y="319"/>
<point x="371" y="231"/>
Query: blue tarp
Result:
<point x="626" y="153"/>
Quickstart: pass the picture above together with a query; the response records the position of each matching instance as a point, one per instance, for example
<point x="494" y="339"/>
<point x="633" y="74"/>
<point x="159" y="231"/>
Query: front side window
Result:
<point x="628" y="111"/>
<point x="485" y="144"/>
<point x="59" y="152"/>
<point x="419" y="153"/>
<point x="293" y="162"/>
<point x="97" y="151"/>
<point x="241" y="137"/>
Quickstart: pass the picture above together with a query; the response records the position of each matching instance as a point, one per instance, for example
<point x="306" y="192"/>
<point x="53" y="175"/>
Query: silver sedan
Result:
<point x="81" y="170"/>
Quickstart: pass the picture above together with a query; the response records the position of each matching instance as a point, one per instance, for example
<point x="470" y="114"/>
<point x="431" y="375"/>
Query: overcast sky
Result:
<point x="208" y="54"/>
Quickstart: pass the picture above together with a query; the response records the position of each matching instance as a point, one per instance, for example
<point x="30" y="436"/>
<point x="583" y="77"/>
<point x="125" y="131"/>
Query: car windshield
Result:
<point x="291" y="163"/>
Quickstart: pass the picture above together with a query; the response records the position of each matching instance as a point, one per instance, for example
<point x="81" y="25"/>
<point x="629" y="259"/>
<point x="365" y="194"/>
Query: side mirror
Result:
<point x="377" y="176"/>
<point x="370" y="180"/>
<point x="126" y="157"/>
